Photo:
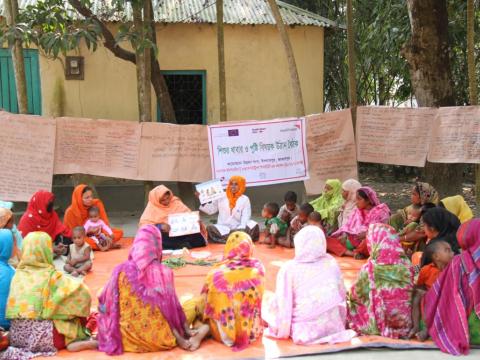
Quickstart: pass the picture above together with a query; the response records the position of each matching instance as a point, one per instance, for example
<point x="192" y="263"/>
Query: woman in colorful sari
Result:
<point x="234" y="213"/>
<point x="6" y="273"/>
<point x="233" y="293"/>
<point x="458" y="207"/>
<point x="77" y="213"/>
<point x="139" y="310"/>
<point x="452" y="305"/>
<point x="422" y="193"/>
<point x="7" y="221"/>
<point x="329" y="204"/>
<point x="305" y="309"/>
<point x="349" y="239"/>
<point x="380" y="300"/>
<point x="349" y="194"/>
<point x="161" y="204"/>
<point x="41" y="216"/>
<point x="47" y="309"/>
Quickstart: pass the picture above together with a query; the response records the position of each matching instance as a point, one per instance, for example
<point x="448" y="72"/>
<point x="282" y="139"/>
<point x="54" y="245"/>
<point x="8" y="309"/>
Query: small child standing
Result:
<point x="275" y="227"/>
<point x="79" y="257"/>
<point x="290" y="206"/>
<point x="436" y="257"/>
<point x="97" y="230"/>
<point x="298" y="222"/>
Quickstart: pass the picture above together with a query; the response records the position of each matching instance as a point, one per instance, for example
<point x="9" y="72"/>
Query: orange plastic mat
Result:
<point x="189" y="281"/>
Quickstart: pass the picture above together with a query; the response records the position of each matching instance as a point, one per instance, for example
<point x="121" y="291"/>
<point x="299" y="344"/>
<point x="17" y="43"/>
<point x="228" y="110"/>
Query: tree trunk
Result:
<point x="427" y="53"/>
<point x="221" y="62"/>
<point x="472" y="77"/>
<point x="11" y="13"/>
<point x="292" y="66"/>
<point x="352" y="83"/>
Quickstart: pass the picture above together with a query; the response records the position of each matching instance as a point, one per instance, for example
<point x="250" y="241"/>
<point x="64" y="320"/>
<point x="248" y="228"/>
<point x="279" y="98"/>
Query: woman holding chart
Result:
<point x="161" y="204"/>
<point x="234" y="213"/>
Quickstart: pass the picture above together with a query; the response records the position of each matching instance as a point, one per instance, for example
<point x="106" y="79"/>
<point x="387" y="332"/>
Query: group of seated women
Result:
<point x="139" y="311"/>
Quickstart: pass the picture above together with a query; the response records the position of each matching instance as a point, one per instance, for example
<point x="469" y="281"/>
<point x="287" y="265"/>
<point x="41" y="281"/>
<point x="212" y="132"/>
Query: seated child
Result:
<point x="436" y="257"/>
<point x="97" y="230"/>
<point x="315" y="219"/>
<point x="275" y="227"/>
<point x="290" y="207"/>
<point x="79" y="257"/>
<point x="298" y="222"/>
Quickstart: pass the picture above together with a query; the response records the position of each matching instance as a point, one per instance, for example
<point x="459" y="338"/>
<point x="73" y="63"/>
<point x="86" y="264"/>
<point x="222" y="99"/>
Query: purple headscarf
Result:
<point x="150" y="281"/>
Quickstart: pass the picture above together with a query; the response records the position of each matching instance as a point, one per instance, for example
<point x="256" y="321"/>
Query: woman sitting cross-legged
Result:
<point x="47" y="309"/>
<point x="138" y="308"/>
<point x="305" y="309"/>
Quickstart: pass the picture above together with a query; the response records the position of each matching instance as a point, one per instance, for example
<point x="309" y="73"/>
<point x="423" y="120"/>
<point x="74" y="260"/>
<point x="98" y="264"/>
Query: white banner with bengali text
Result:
<point x="264" y="152"/>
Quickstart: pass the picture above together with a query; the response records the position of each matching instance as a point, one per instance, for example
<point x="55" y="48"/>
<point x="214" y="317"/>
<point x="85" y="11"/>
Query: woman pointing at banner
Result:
<point x="234" y="213"/>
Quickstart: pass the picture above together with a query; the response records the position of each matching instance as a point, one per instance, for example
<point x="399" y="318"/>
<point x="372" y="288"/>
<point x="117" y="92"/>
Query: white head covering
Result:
<point x="350" y="185"/>
<point x="310" y="244"/>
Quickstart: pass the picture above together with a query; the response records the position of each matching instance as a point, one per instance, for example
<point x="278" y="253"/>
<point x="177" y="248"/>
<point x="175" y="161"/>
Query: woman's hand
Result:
<point x="197" y="194"/>
<point x="165" y="227"/>
<point x="362" y="235"/>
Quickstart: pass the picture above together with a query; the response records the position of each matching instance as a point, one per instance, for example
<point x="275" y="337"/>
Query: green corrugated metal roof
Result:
<point x="241" y="12"/>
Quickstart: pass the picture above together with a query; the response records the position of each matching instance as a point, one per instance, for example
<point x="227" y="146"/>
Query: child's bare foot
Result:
<point x="422" y="335"/>
<point x="83" y="345"/>
<point x="196" y="340"/>
<point x="184" y="343"/>
<point x="75" y="273"/>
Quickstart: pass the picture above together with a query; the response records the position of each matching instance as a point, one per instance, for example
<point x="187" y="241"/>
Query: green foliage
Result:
<point x="57" y="27"/>
<point x="382" y="27"/>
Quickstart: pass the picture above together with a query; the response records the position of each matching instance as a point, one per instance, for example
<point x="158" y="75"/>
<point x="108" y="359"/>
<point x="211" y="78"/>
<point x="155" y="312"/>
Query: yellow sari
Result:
<point x="233" y="291"/>
<point x="39" y="292"/>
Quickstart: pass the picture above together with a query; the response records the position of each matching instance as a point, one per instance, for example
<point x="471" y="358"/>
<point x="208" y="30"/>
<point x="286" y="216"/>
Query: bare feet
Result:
<point x="413" y="332"/>
<point x="75" y="273"/>
<point x="184" y="343"/>
<point x="196" y="340"/>
<point x="83" y="345"/>
<point x="422" y="335"/>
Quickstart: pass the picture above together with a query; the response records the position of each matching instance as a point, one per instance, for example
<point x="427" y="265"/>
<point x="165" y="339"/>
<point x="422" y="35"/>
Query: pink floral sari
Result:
<point x="380" y="300"/>
<point x="306" y="309"/>
<point x="150" y="281"/>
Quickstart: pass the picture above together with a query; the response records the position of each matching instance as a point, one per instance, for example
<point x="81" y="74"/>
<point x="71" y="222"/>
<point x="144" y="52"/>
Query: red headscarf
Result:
<point x="232" y="198"/>
<point x="77" y="213"/>
<point x="37" y="218"/>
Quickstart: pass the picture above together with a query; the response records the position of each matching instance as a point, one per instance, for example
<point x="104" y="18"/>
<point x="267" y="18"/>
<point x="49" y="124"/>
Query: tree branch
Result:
<point x="109" y="39"/>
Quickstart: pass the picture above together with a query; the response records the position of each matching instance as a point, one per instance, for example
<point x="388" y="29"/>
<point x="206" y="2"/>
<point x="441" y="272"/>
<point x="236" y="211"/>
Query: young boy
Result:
<point x="275" y="227"/>
<point x="315" y="219"/>
<point x="79" y="258"/>
<point x="437" y="255"/>
<point x="290" y="206"/>
<point x="298" y="222"/>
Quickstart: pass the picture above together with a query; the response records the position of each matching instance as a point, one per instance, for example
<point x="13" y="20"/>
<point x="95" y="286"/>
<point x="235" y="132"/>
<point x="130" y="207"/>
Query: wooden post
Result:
<point x="221" y="62"/>
<point x="11" y="13"/>
<point x="292" y="66"/>
<point x="352" y="83"/>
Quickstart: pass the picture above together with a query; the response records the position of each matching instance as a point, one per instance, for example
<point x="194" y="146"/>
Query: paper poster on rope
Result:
<point x="27" y="151"/>
<point x="397" y="136"/>
<point x="331" y="149"/>
<point x="456" y="135"/>
<point x="264" y="152"/>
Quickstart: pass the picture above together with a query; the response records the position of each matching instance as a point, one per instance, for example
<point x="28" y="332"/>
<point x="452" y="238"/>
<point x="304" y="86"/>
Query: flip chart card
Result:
<point x="264" y="152"/>
<point x="27" y="145"/>
<point x="210" y="191"/>
<point x="184" y="223"/>
<point x="97" y="147"/>
<point x="331" y="149"/>
<point x="456" y="135"/>
<point x="397" y="136"/>
<point x="171" y="152"/>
